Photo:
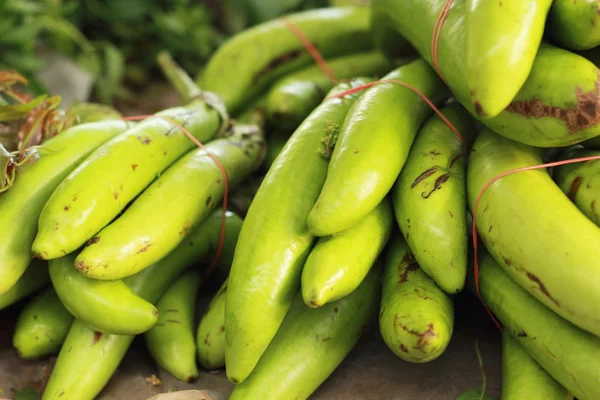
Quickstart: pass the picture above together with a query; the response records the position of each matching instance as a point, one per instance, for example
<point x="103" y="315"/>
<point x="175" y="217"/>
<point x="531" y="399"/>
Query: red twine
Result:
<point x="217" y="256"/>
<point x="434" y="58"/>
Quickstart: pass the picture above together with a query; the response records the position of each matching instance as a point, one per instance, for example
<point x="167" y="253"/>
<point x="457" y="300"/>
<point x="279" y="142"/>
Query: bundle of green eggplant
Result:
<point x="359" y="199"/>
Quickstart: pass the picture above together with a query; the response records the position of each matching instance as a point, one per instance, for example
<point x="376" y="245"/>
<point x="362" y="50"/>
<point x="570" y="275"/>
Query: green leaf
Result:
<point x="26" y="394"/>
<point x="18" y="111"/>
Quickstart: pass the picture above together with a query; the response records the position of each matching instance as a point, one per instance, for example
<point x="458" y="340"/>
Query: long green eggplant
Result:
<point x="310" y="345"/>
<point x="35" y="277"/>
<point x="430" y="199"/>
<point x="42" y="326"/>
<point x="534" y="231"/>
<point x="501" y="41"/>
<point x="210" y="336"/>
<point x="22" y="204"/>
<point x="195" y="184"/>
<point x="581" y="181"/>
<point x="569" y="354"/>
<point x="293" y="98"/>
<point x="339" y="263"/>
<point x="575" y="24"/>
<point x="523" y="377"/>
<point x="275" y="241"/>
<point x="88" y="359"/>
<point x="171" y="341"/>
<point x="107" y="307"/>
<point x="416" y="317"/>
<point x="552" y="109"/>
<point x="252" y="60"/>
<point x="373" y="146"/>
<point x="102" y="186"/>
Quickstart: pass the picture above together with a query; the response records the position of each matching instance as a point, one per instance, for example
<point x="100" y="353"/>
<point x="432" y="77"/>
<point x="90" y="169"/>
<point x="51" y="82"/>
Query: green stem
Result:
<point x="184" y="85"/>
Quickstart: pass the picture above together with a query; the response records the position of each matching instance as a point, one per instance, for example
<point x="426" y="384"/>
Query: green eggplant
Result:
<point x="575" y="24"/>
<point x="430" y="200"/>
<point x="250" y="61"/>
<point x="42" y="326"/>
<point x="569" y="354"/>
<point x="34" y="278"/>
<point x="275" y="241"/>
<point x="552" y="108"/>
<point x="106" y="182"/>
<point x="581" y="181"/>
<point x="171" y="341"/>
<point x="22" y="204"/>
<point x="501" y="41"/>
<point x="195" y="184"/>
<point x="310" y="345"/>
<point x="416" y="317"/>
<point x="339" y="263"/>
<point x="373" y="146"/>
<point x="534" y="231"/>
<point x="210" y="336"/>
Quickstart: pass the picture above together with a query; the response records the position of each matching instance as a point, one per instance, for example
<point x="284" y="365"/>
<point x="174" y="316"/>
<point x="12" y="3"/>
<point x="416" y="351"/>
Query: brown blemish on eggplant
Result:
<point x="144" y="249"/>
<point x="434" y="153"/>
<point x="521" y="334"/>
<point x="75" y="198"/>
<point x="326" y="339"/>
<point x="277" y="62"/>
<point x="491" y="227"/>
<point x="144" y="140"/>
<point x="456" y="158"/>
<point x="41" y="256"/>
<point x="134" y="166"/>
<point x="165" y="154"/>
<point x="507" y="261"/>
<point x="574" y="188"/>
<point x="97" y="336"/>
<point x="116" y="195"/>
<point x="208" y="200"/>
<point x="426" y="174"/>
<point x="92" y="241"/>
<point x="451" y="215"/>
<point x="356" y="151"/>
<point x="186" y="228"/>
<point x="411" y="265"/>
<point x="61" y="393"/>
<point x="437" y="185"/>
<point x="542" y="288"/>
<point x="585" y="114"/>
<point x="593" y="205"/>
<point x="422" y="296"/>
<point x="335" y="310"/>
<point x="206" y="342"/>
<point x="222" y="329"/>
<point x="403" y="348"/>
<point x="222" y="292"/>
<point x="67" y="208"/>
<point x="479" y="109"/>
<point x="425" y="337"/>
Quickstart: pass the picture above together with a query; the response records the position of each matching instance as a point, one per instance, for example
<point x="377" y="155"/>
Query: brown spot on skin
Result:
<point x="403" y="348"/>
<point x="222" y="329"/>
<point x="593" y="205"/>
<point x="67" y="208"/>
<point x="165" y="154"/>
<point x="451" y="215"/>
<point x="491" y="227"/>
<point x="585" y="114"/>
<point x="500" y="4"/>
<point x="218" y="181"/>
<point x="521" y="334"/>
<point x="424" y="175"/>
<point x="277" y="62"/>
<point x="92" y="241"/>
<point x="542" y="288"/>
<point x="456" y="158"/>
<point x="425" y="337"/>
<point x="61" y="393"/>
<point x="70" y="348"/>
<point x="97" y="336"/>
<point x="134" y="166"/>
<point x="421" y="295"/>
<point x="574" y="188"/>
<point x="335" y="310"/>
<point x="206" y="339"/>
<point x="186" y="228"/>
<point x="326" y="339"/>
<point x="313" y="304"/>
<point x="507" y="261"/>
<point x="411" y="265"/>
<point x="434" y="153"/>
<point x="356" y="151"/>
<point x="208" y="201"/>
<point x="75" y="198"/>
<point x="144" y="140"/>
<point x="479" y="109"/>
<point x="144" y="249"/>
<point x="222" y="292"/>
<point x="116" y="195"/>
<point x="437" y="185"/>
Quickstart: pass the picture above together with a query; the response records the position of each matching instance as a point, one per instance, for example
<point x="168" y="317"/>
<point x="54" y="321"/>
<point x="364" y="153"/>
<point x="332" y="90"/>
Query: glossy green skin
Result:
<point x="87" y="360"/>
<point x="100" y="188"/>
<point x="569" y="354"/>
<point x="592" y="143"/>
<point x="210" y="335"/>
<point x="502" y="39"/>
<point x="581" y="182"/>
<point x="33" y="279"/>
<point x="311" y="344"/>
<point x="434" y="221"/>
<point x="275" y="144"/>
<point x="373" y="146"/>
<point x="108" y="307"/>
<point x="575" y="25"/>
<point x="547" y="85"/>
<point x="338" y="263"/>
<point x="523" y="377"/>
<point x="195" y="184"/>
<point x="271" y="50"/>
<point x="22" y="204"/>
<point x="275" y="241"/>
<point x="416" y="317"/>
<point x="294" y="97"/>
<point x="542" y="240"/>
<point x="171" y="341"/>
<point x="42" y="326"/>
